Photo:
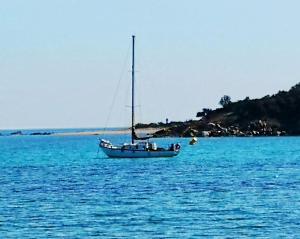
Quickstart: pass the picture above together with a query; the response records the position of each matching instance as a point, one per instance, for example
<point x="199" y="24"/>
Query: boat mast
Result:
<point x="132" y="93"/>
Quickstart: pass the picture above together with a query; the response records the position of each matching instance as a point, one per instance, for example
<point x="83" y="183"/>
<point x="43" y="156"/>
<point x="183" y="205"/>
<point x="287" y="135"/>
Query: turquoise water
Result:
<point x="56" y="187"/>
<point x="67" y="130"/>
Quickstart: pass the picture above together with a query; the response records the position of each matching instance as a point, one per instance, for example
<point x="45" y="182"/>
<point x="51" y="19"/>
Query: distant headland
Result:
<point x="275" y="115"/>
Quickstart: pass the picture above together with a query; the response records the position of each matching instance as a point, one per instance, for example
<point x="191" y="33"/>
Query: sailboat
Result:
<point x="139" y="147"/>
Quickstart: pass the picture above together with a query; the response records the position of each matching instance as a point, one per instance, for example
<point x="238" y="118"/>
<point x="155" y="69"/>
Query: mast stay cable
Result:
<point x="117" y="89"/>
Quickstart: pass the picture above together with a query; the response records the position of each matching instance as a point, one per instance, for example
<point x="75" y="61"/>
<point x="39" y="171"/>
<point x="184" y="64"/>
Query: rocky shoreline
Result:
<point x="209" y="129"/>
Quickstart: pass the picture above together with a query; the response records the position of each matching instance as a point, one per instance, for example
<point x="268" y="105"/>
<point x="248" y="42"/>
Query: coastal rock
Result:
<point x="162" y="133"/>
<point x="217" y="129"/>
<point x="211" y="125"/>
<point x="189" y="132"/>
<point x="41" y="133"/>
<point x="16" y="133"/>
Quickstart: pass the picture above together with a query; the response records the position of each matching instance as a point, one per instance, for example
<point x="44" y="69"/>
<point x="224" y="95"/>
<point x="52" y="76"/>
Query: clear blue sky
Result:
<point x="60" y="61"/>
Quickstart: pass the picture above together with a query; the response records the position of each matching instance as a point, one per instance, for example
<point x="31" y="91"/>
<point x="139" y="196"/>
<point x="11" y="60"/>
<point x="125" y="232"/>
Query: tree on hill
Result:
<point x="225" y="100"/>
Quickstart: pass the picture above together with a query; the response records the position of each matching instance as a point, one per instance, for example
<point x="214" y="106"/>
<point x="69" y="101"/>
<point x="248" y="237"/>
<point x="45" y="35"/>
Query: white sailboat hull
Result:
<point x="121" y="153"/>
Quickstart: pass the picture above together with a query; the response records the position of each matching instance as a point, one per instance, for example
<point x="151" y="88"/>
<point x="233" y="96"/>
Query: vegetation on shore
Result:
<point x="274" y="115"/>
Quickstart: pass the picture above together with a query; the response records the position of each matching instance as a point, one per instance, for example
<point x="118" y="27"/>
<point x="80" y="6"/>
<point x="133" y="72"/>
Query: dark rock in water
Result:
<point x="16" y="133"/>
<point x="41" y="133"/>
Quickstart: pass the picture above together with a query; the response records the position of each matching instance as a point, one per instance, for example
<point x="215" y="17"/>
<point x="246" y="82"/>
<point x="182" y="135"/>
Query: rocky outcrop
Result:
<point x="274" y="115"/>
<point x="210" y="129"/>
<point x="41" y="133"/>
<point x="19" y="132"/>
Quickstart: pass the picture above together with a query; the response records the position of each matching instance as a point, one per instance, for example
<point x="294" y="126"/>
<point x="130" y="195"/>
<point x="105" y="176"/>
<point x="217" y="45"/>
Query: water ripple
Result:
<point x="54" y="187"/>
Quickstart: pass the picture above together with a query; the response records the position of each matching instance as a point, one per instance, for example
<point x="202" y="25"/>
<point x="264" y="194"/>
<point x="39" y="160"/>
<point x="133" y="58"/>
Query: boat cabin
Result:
<point x="140" y="146"/>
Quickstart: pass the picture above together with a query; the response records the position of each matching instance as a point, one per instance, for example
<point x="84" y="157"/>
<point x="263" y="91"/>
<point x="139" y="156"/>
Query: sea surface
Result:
<point x="60" y="187"/>
<point x="8" y="132"/>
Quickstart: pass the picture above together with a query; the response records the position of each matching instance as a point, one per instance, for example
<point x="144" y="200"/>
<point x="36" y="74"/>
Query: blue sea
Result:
<point x="59" y="187"/>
